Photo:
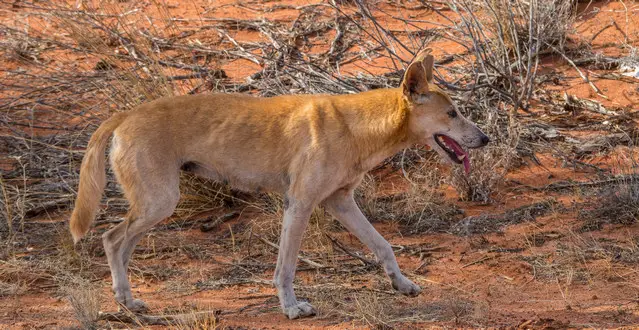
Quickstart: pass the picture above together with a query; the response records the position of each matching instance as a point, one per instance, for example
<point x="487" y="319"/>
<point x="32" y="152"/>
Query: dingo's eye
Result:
<point x="452" y="113"/>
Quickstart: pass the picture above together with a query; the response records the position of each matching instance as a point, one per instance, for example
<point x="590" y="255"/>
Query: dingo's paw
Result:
<point x="406" y="286"/>
<point x="302" y="309"/>
<point x="134" y="305"/>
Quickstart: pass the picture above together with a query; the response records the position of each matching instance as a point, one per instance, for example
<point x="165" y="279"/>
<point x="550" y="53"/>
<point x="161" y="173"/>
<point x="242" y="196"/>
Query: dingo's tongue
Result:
<point x="466" y="165"/>
<point x="461" y="154"/>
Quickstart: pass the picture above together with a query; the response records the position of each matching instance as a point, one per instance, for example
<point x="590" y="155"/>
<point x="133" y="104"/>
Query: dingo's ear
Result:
<point x="422" y="54"/>
<point x="419" y="74"/>
<point x="428" y="63"/>
<point x="415" y="81"/>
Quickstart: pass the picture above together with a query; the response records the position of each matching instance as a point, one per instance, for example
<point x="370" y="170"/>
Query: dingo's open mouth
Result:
<point x="454" y="150"/>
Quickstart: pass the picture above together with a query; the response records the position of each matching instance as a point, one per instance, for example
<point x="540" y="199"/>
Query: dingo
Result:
<point x="313" y="149"/>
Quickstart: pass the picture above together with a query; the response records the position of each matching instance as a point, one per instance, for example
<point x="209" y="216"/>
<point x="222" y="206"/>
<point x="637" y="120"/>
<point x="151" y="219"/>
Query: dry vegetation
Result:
<point x="114" y="57"/>
<point x="616" y="203"/>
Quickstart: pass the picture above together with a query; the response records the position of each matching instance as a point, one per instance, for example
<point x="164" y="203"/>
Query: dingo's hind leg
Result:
<point x="152" y="189"/>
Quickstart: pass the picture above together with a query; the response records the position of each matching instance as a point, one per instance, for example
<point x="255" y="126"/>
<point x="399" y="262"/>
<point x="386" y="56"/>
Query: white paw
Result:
<point x="406" y="286"/>
<point x="134" y="305"/>
<point x="301" y="309"/>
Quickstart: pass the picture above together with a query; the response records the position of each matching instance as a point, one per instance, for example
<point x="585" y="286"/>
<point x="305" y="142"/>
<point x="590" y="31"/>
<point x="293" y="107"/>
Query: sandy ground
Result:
<point x="541" y="273"/>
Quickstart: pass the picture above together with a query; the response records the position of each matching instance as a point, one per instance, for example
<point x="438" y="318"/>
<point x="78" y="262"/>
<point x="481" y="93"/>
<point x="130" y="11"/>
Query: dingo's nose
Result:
<point x="484" y="140"/>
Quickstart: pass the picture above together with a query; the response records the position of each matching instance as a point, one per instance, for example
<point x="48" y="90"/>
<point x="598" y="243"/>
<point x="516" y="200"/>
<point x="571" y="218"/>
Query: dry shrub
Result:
<point x="8" y="289"/>
<point x="383" y="311"/>
<point x="21" y="49"/>
<point x="506" y="39"/>
<point x="613" y="204"/>
<point x="199" y="195"/>
<point x="134" y="73"/>
<point x="454" y="307"/>
<point x="584" y="259"/>
<point x="522" y="23"/>
<point x="487" y="223"/>
<point x="85" y="298"/>
<point x="269" y="223"/>
<point x="421" y="209"/>
<point x="490" y="164"/>
<point x="489" y="168"/>
<point x="424" y="208"/>
<point x="368" y="199"/>
<point x="373" y="310"/>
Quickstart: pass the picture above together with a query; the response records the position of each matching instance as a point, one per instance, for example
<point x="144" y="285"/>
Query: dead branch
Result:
<point x="366" y="262"/>
<point x="581" y="74"/>
<point x="573" y="102"/>
<point x="305" y="260"/>
<point x="210" y="224"/>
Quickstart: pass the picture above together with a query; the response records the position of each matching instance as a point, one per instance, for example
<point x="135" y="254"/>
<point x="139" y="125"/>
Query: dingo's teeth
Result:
<point x="461" y="157"/>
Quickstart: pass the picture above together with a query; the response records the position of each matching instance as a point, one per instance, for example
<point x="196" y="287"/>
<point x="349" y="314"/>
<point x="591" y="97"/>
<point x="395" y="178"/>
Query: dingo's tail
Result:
<point x="92" y="178"/>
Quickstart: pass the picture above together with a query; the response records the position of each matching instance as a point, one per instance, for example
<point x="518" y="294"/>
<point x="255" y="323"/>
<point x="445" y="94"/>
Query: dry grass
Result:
<point x="367" y="198"/>
<point x="269" y="224"/>
<point x="420" y="209"/>
<point x="563" y="268"/>
<point x="489" y="168"/>
<point x="198" y="195"/>
<point x="424" y="208"/>
<point x="9" y="289"/>
<point x="381" y="310"/>
<point x="487" y="223"/>
<point x="21" y="50"/>
<point x="613" y="204"/>
<point x="85" y="299"/>
<point x="580" y="259"/>
<point x="200" y="322"/>
<point x="373" y="310"/>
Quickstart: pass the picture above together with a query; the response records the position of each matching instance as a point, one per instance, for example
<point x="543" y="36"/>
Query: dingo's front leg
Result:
<point x="343" y="207"/>
<point x="296" y="216"/>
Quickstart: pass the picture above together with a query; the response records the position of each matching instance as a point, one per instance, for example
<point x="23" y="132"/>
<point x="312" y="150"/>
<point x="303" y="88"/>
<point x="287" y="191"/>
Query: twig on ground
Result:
<point x="480" y="260"/>
<point x="366" y="262"/>
<point x="581" y="74"/>
<point x="210" y="225"/>
<point x="305" y="260"/>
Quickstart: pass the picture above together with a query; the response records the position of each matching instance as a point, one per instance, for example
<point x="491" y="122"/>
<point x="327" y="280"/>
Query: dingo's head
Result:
<point x="434" y="118"/>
